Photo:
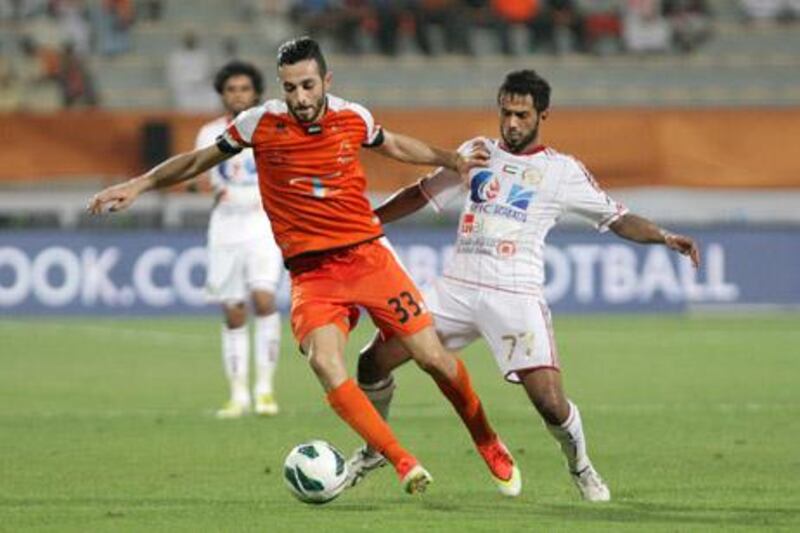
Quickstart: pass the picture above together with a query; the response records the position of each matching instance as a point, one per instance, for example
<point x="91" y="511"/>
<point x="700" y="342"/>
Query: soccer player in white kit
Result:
<point x="493" y="286"/>
<point x="244" y="261"/>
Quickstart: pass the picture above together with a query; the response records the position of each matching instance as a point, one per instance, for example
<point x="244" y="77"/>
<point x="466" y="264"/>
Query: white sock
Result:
<point x="267" y="341"/>
<point x="570" y="436"/>
<point x="235" y="345"/>
<point x="380" y="394"/>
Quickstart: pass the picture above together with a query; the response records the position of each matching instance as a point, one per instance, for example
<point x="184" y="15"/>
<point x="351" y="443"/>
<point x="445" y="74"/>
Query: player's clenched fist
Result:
<point x="477" y="156"/>
<point x="115" y="198"/>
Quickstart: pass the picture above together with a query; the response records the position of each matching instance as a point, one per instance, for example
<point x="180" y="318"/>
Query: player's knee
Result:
<point x="264" y="304"/>
<point x="435" y="363"/>
<point x="235" y="316"/>
<point x="323" y="363"/>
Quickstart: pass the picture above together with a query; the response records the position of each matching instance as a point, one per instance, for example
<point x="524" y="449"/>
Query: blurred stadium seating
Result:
<point x="740" y="64"/>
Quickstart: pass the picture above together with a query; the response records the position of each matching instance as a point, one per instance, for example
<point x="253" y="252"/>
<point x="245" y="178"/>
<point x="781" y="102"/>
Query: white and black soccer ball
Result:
<point x="315" y="472"/>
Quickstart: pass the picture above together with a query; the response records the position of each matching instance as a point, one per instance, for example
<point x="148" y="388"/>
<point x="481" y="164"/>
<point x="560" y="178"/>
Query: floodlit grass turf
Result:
<point x="107" y="425"/>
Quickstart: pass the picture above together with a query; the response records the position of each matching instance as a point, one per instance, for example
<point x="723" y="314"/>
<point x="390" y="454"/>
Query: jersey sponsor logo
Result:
<point x="484" y="187"/>
<point x="238" y="171"/>
<point x="346" y="152"/>
<point x="467" y="223"/>
<point x="318" y="189"/>
<point x="532" y="176"/>
<point x="505" y="211"/>
<point x="481" y="245"/>
<point x="506" y="249"/>
<point x="519" y="197"/>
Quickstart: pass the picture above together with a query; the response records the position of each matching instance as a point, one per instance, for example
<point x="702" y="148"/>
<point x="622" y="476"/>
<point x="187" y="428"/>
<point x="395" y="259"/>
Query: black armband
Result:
<point x="377" y="141"/>
<point x="225" y="146"/>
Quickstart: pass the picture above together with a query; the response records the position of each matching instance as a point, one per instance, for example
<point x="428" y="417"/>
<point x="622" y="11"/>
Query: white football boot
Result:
<point x="266" y="405"/>
<point x="233" y="410"/>
<point x="416" y="480"/>
<point x="363" y="461"/>
<point x="591" y="485"/>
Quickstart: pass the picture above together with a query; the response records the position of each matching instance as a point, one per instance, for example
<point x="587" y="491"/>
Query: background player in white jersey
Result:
<point x="244" y="261"/>
<point x="493" y="286"/>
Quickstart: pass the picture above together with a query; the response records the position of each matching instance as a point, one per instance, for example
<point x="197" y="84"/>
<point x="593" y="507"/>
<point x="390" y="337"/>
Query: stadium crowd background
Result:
<point x="162" y="53"/>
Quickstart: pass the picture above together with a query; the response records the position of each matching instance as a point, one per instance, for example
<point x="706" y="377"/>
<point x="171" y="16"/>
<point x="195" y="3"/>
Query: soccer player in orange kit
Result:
<point x="312" y="187"/>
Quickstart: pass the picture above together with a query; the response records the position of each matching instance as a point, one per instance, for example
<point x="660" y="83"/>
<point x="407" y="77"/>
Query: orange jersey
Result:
<point x="312" y="183"/>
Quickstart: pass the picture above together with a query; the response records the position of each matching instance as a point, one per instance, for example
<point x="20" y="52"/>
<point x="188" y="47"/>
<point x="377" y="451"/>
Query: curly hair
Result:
<point x="239" y="68"/>
<point x="524" y="82"/>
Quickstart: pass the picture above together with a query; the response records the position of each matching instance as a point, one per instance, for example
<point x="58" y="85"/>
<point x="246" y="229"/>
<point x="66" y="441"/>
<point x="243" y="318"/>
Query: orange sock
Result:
<point x="467" y="405"/>
<point x="353" y="406"/>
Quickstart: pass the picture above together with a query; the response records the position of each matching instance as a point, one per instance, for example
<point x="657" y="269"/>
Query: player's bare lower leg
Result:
<point x="325" y="349"/>
<point x="375" y="366"/>
<point x="453" y="380"/>
<point x="235" y="360"/>
<point x="266" y="347"/>
<point x="563" y="421"/>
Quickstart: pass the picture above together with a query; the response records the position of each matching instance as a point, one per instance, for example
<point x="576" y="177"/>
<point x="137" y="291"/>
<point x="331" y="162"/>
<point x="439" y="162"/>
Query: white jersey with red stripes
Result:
<point x="510" y="207"/>
<point x="238" y="216"/>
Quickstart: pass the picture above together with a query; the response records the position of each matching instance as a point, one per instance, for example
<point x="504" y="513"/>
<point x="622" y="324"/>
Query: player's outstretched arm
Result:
<point x="410" y="150"/>
<point x="402" y="203"/>
<point x="639" y="229"/>
<point x="437" y="188"/>
<point x="175" y="170"/>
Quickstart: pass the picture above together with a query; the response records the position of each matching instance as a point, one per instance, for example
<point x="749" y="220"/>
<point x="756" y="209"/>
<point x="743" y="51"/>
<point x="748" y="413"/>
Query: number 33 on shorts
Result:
<point x="405" y="306"/>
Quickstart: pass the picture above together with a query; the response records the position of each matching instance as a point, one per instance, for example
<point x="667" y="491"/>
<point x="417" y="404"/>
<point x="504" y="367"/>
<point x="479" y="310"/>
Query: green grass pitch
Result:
<point x="106" y="425"/>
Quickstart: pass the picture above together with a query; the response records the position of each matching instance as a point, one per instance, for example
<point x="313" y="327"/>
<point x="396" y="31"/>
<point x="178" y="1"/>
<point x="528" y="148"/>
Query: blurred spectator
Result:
<point x="10" y="87"/>
<point x="189" y="72"/>
<point x="46" y="31"/>
<point x="447" y="15"/>
<point x="112" y="20"/>
<point x="690" y="21"/>
<point x="42" y="62"/>
<point x="603" y="25"/>
<point x="275" y="21"/>
<point x="75" y="81"/>
<point x="561" y="27"/>
<point x="645" y="30"/>
<point x="554" y="26"/>
<point x="756" y="10"/>
<point x="388" y="20"/>
<point x="348" y="16"/>
<point x="75" y="27"/>
<point x="36" y="72"/>
<point x="21" y="9"/>
<point x="311" y="16"/>
<point x="150" y="10"/>
<point x="770" y="10"/>
<point x="340" y="19"/>
<point x="510" y="13"/>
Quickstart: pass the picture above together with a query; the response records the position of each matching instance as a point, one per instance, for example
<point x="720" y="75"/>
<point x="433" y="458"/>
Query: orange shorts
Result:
<point x="328" y="289"/>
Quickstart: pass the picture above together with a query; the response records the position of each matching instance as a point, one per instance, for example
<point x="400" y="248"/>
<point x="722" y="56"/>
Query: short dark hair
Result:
<point x="239" y="68"/>
<point x="523" y="82"/>
<point x="300" y="49"/>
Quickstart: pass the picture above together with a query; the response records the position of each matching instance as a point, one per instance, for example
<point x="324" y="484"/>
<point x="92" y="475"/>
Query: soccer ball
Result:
<point x="315" y="472"/>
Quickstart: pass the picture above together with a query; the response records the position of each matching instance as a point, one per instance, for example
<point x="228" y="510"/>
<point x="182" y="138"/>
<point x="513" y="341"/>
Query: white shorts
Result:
<point x="236" y="270"/>
<point x="517" y="327"/>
